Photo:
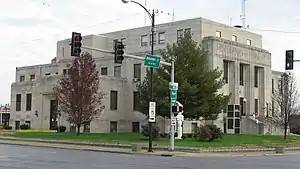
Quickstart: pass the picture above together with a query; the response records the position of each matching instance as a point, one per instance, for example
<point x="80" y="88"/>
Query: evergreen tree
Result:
<point x="198" y="85"/>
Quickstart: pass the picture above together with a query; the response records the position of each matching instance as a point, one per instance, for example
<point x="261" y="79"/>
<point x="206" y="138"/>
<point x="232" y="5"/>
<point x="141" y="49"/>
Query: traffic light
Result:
<point x="76" y="44"/>
<point x="289" y="59"/>
<point x="119" y="51"/>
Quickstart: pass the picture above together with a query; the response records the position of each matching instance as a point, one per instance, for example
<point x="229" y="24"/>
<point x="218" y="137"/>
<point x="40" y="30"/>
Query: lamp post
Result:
<point x="152" y="18"/>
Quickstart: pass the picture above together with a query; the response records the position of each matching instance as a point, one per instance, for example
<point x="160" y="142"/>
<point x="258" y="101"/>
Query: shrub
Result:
<point x="24" y="127"/>
<point x="188" y="135"/>
<point x="207" y="133"/>
<point x="155" y="130"/>
<point x="61" y="129"/>
<point x="7" y="127"/>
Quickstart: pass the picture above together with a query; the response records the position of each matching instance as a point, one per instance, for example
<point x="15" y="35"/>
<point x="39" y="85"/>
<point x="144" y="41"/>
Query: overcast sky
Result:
<point x="30" y="28"/>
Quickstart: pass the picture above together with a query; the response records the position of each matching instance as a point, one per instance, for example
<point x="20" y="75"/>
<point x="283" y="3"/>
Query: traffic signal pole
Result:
<point x="172" y="129"/>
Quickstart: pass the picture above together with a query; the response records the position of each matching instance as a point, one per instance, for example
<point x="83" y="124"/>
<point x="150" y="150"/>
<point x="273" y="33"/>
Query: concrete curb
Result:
<point x="158" y="148"/>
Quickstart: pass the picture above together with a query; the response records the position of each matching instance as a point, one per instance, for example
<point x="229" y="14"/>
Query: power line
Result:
<point x="274" y="30"/>
<point x="91" y="26"/>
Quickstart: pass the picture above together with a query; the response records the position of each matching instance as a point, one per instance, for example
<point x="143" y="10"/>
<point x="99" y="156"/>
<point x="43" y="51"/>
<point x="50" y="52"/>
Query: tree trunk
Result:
<point x="78" y="130"/>
<point x="285" y="131"/>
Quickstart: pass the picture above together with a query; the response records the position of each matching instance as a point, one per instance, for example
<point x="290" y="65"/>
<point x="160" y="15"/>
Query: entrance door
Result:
<point x="53" y="115"/>
<point x="233" y="119"/>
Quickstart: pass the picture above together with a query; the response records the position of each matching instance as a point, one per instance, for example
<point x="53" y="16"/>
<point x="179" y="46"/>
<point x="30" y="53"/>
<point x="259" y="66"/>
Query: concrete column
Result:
<point x="247" y="87"/>
<point x="232" y="81"/>
<point x="250" y="101"/>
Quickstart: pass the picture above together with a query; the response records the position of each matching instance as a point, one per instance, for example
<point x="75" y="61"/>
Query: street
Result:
<point x="17" y="157"/>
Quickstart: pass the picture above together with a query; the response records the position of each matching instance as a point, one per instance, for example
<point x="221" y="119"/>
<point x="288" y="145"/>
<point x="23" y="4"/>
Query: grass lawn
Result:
<point x="242" y="140"/>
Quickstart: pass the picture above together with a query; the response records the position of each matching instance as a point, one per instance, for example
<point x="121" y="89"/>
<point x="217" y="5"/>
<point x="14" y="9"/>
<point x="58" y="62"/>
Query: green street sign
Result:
<point x="173" y="96"/>
<point x="152" y="61"/>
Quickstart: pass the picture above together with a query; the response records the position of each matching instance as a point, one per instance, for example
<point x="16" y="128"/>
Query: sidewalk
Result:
<point x="143" y="152"/>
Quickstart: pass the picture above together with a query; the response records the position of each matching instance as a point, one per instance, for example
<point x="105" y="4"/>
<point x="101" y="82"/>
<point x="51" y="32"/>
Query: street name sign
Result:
<point x="152" y="61"/>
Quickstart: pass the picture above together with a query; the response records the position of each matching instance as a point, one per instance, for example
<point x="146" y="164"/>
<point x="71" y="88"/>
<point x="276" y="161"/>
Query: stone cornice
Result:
<point x="237" y="44"/>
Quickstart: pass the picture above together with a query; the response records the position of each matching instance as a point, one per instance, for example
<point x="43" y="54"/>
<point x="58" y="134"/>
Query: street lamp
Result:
<point x="244" y="106"/>
<point x="152" y="18"/>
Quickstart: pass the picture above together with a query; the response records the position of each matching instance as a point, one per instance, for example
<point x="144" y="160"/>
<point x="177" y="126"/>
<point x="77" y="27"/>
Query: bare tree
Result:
<point x="285" y="102"/>
<point x="78" y="92"/>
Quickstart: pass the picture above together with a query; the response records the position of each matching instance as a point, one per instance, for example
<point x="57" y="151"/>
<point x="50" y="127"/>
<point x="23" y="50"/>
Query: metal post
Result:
<point x="171" y="113"/>
<point x="151" y="78"/>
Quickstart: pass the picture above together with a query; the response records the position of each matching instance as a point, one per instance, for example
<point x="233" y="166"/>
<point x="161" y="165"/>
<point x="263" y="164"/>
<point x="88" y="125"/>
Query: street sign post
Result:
<point x="173" y="92"/>
<point x="152" y="61"/>
<point x="152" y="112"/>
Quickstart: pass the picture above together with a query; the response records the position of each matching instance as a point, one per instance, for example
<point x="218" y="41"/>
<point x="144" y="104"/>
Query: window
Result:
<point x="86" y="127"/>
<point x="218" y="34"/>
<point x="225" y="73"/>
<point x="47" y="73"/>
<point x="162" y="38"/>
<point x="64" y="71"/>
<point x="179" y="34"/>
<point x="272" y="86"/>
<point x="154" y="39"/>
<point x="17" y="125"/>
<point x="256" y="106"/>
<point x="28" y="101"/>
<point x="113" y="100"/>
<point x="28" y="124"/>
<point x="104" y="71"/>
<point x="194" y="127"/>
<point x="249" y="42"/>
<point x="136" y="101"/>
<point x="117" y="71"/>
<point x="137" y="71"/>
<point x="32" y="77"/>
<point x="255" y="76"/>
<point x="136" y="127"/>
<point x="188" y="30"/>
<point x="243" y="113"/>
<point x="234" y="38"/>
<point x="273" y="108"/>
<point x="144" y="40"/>
<point x="113" y="126"/>
<point x="241" y="74"/>
<point x="22" y="78"/>
<point x="62" y="51"/>
<point x="18" y="102"/>
<point x="114" y="43"/>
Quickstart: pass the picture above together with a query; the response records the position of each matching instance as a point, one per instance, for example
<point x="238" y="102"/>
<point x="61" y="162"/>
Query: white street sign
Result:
<point x="173" y="121"/>
<point x="152" y="107"/>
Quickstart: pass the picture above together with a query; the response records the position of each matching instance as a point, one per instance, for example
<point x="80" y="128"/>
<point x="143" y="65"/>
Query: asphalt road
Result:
<point x="17" y="157"/>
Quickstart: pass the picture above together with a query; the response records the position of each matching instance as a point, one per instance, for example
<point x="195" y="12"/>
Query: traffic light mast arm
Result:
<point x="126" y="55"/>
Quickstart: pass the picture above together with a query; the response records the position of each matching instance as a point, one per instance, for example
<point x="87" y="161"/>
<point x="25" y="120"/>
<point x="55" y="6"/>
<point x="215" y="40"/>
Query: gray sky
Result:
<point x="30" y="28"/>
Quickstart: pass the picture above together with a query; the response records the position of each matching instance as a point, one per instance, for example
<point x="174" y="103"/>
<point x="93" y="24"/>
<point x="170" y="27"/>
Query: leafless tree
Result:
<point x="78" y="92"/>
<point x="285" y="102"/>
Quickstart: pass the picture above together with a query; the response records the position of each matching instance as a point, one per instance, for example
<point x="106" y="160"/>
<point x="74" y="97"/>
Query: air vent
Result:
<point x="238" y="26"/>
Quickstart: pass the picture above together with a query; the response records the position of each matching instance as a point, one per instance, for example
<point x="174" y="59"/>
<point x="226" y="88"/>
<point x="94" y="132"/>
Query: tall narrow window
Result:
<point x="161" y="38"/>
<point x="104" y="71"/>
<point x="117" y="71"/>
<point x="241" y="74"/>
<point x="273" y="108"/>
<point x="218" y="34"/>
<point x="113" y="100"/>
<point x="255" y="76"/>
<point x="179" y="34"/>
<point x="18" y="102"/>
<point x="272" y="86"/>
<point x="225" y="73"/>
<point x="144" y="40"/>
<point x="137" y="71"/>
<point x="32" y="77"/>
<point x="28" y="101"/>
<point x="256" y="106"/>
<point x="249" y="42"/>
<point x="113" y="126"/>
<point x="234" y="38"/>
<point x="22" y="78"/>
<point x="153" y="40"/>
<point x="136" y="101"/>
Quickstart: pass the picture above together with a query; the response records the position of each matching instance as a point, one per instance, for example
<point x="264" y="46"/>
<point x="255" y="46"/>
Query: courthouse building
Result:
<point x="239" y="53"/>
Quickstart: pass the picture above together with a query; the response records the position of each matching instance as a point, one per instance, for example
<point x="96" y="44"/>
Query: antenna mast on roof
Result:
<point x="243" y="15"/>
